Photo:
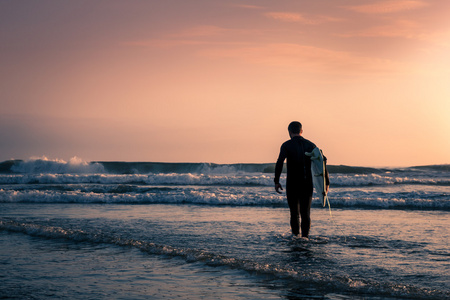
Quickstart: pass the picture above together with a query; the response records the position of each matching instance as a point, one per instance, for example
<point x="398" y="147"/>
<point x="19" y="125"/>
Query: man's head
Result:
<point x="295" y="128"/>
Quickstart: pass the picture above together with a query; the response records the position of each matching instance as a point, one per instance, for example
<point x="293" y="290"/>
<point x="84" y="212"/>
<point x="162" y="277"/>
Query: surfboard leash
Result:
<point x="332" y="219"/>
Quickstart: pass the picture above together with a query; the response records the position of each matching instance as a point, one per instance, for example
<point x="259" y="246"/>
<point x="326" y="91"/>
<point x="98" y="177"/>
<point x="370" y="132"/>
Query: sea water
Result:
<point x="107" y="230"/>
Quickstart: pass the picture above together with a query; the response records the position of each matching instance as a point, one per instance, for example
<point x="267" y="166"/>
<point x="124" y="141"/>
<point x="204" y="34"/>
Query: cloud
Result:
<point x="201" y="31"/>
<point x="398" y="28"/>
<point x="246" y="6"/>
<point x="299" y="18"/>
<point x="405" y="29"/>
<point x="386" y="7"/>
<point x="197" y="36"/>
<point x="307" y="59"/>
<point x="163" y="43"/>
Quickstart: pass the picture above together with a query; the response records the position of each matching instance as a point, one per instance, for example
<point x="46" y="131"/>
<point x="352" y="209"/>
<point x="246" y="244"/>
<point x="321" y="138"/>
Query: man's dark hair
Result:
<point x="295" y="127"/>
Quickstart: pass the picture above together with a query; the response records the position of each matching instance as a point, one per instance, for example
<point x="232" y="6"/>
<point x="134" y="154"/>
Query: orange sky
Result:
<point x="219" y="81"/>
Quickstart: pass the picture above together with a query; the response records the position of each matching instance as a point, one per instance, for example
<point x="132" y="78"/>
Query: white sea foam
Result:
<point x="152" y="179"/>
<point x="46" y="165"/>
<point x="241" y="179"/>
<point x="214" y="197"/>
<point x="77" y="181"/>
<point x="176" y="196"/>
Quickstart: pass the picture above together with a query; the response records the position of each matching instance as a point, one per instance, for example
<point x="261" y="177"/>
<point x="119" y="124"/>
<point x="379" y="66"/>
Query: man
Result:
<point x="299" y="185"/>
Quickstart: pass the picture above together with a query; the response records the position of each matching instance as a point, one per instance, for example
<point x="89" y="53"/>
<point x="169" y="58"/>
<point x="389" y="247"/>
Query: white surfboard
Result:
<point x="318" y="174"/>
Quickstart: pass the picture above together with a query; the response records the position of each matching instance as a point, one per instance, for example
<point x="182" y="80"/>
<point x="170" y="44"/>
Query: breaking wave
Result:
<point x="43" y="180"/>
<point x="76" y="165"/>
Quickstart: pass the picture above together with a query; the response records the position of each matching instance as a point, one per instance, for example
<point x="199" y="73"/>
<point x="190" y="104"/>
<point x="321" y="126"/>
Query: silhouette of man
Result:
<point x="299" y="185"/>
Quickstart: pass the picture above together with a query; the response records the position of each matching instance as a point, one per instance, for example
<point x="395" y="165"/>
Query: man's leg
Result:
<point x="305" y="211"/>
<point x="294" y="207"/>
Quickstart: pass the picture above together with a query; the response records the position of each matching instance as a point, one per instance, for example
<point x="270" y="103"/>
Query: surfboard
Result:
<point x="318" y="174"/>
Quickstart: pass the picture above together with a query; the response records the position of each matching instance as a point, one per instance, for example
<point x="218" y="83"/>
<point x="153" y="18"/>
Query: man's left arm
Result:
<point x="327" y="177"/>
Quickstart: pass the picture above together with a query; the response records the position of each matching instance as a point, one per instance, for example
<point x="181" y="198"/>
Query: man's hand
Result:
<point x="278" y="187"/>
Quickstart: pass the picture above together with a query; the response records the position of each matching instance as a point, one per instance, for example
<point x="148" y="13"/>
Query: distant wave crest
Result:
<point x="44" y="165"/>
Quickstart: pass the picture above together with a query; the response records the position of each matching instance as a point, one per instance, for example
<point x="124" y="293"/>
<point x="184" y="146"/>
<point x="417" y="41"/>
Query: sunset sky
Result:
<point x="219" y="81"/>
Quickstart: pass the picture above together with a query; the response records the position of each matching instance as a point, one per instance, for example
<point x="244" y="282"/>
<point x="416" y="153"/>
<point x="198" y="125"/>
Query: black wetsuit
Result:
<point x="299" y="186"/>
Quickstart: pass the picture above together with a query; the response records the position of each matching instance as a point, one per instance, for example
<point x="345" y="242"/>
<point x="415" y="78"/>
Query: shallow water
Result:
<point x="55" y="269"/>
<point x="157" y="230"/>
<point x="132" y="251"/>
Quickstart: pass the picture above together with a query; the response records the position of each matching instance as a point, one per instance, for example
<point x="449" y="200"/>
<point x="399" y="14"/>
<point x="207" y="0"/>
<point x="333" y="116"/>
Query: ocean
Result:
<point x="143" y="230"/>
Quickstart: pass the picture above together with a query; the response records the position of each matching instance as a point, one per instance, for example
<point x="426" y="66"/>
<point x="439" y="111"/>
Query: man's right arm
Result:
<point x="279" y="169"/>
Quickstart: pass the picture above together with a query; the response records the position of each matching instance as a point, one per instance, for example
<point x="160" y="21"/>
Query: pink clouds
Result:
<point x="299" y="18"/>
<point x="306" y="59"/>
<point x="393" y="28"/>
<point x="153" y="63"/>
<point x="386" y="7"/>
